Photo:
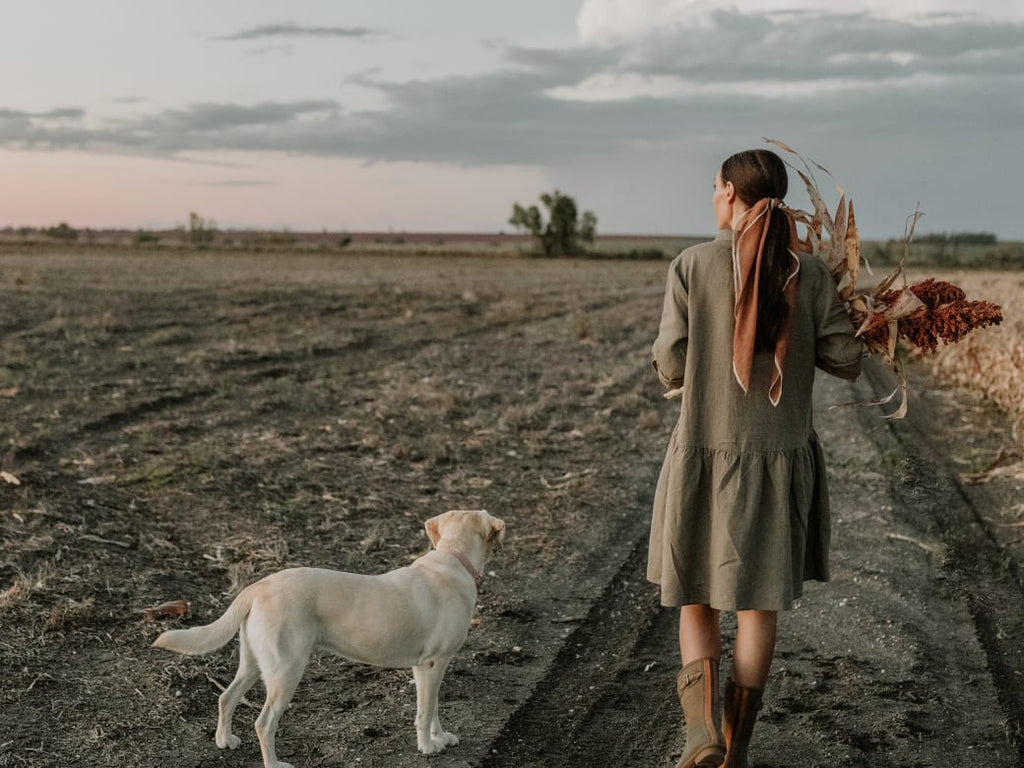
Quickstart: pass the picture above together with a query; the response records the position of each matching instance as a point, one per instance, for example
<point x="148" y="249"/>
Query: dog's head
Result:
<point x="457" y="522"/>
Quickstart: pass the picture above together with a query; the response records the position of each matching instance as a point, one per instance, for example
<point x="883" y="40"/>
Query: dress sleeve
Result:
<point x="669" y="348"/>
<point x="838" y="351"/>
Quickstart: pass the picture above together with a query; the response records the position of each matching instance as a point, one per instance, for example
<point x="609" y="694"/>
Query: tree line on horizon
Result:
<point x="560" y="230"/>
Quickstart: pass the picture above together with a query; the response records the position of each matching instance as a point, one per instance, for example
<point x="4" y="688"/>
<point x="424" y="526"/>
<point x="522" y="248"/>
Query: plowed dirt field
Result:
<point x="180" y="425"/>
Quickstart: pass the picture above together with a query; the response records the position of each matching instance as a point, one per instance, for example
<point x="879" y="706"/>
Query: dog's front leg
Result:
<point x="430" y="736"/>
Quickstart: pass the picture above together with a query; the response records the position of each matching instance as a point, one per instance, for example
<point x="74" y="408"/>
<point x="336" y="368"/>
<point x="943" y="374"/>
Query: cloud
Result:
<point x="222" y="119"/>
<point x="612" y="22"/>
<point x="739" y="54"/>
<point x="832" y="74"/>
<point x="61" y="113"/>
<point x="295" y="30"/>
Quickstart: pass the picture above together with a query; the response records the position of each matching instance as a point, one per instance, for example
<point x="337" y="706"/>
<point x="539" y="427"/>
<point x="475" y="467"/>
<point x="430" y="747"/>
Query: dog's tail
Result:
<point x="205" y="639"/>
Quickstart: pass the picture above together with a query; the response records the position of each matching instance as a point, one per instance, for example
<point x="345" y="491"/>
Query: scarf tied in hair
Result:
<point x="748" y="245"/>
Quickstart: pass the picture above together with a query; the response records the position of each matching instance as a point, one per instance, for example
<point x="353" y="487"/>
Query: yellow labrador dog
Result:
<point x="417" y="616"/>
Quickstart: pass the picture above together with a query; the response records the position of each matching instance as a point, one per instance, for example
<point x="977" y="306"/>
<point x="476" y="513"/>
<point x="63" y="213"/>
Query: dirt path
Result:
<point x="888" y="665"/>
<point x="183" y="426"/>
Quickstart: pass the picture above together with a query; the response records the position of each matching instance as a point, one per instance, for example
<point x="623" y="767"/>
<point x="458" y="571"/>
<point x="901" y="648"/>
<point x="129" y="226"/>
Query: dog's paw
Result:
<point x="446" y="738"/>
<point x="430" y="746"/>
<point x="228" y="742"/>
<point x="437" y="742"/>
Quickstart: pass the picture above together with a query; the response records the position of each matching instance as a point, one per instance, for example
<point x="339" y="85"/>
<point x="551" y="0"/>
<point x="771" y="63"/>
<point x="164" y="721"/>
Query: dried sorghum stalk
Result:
<point x="946" y="316"/>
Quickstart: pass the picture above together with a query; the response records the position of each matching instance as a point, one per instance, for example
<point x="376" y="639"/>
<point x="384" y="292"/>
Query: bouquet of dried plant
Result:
<point x="922" y="314"/>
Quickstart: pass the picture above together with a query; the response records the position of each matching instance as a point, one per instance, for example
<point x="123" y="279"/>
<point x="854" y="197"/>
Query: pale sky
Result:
<point x="413" y="115"/>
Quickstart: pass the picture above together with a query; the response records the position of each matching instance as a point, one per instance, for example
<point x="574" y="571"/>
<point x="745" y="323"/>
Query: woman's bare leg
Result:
<point x="700" y="634"/>
<point x="755" y="647"/>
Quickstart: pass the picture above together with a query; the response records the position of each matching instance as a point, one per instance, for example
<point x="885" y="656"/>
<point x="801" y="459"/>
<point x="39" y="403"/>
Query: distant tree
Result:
<point x="564" y="230"/>
<point x="144" y="237"/>
<point x="959" y="238"/>
<point x="200" y="230"/>
<point x="64" y="232"/>
<point x="284" y="237"/>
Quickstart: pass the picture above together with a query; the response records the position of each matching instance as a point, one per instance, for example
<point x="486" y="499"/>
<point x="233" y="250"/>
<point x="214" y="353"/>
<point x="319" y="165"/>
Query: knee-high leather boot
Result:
<point x="697" y="685"/>
<point x="741" y="708"/>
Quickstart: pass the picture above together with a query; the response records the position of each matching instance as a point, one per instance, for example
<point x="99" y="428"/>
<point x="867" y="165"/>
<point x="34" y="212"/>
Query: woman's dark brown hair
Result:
<point x="756" y="174"/>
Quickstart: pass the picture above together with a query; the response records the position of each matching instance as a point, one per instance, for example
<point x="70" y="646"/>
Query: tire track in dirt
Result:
<point x="980" y="565"/>
<point x="606" y="687"/>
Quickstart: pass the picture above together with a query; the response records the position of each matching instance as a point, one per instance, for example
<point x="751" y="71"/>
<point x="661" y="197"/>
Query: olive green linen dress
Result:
<point x="741" y="515"/>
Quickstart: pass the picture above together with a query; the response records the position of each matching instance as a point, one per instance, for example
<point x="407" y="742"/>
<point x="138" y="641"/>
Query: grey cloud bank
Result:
<point x="902" y="112"/>
<point x="295" y="30"/>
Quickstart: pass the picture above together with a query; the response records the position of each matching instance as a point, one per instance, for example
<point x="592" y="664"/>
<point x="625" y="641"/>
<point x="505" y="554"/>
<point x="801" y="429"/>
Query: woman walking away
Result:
<point x="741" y="515"/>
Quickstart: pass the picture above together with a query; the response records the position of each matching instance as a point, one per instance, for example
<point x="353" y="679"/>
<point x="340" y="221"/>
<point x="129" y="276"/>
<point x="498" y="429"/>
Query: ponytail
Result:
<point x="776" y="267"/>
<point x="758" y="174"/>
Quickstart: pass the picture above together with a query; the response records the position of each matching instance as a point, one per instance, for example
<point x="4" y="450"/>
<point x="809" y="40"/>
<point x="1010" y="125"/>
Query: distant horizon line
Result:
<point x="423" y="234"/>
<point x="355" y="233"/>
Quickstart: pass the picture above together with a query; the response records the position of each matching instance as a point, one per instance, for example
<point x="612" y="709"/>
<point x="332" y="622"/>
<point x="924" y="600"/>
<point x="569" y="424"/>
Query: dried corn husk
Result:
<point x="923" y="313"/>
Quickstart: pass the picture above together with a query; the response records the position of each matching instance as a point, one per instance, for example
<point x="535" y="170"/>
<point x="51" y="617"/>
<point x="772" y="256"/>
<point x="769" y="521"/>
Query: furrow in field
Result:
<point x="366" y="355"/>
<point x="603" y="686"/>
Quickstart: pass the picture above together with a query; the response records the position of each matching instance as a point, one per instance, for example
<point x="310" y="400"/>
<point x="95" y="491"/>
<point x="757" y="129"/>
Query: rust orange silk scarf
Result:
<point x="747" y="251"/>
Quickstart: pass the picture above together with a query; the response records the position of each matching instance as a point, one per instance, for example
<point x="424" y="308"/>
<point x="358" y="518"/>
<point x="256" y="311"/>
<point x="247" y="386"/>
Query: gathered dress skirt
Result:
<point x="739" y="530"/>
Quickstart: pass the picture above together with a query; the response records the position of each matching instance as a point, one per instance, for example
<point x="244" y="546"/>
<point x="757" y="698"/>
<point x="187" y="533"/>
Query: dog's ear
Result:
<point x="497" y="532"/>
<point x="433" y="526"/>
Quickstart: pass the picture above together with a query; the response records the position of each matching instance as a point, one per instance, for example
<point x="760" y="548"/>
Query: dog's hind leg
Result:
<point x="430" y="736"/>
<point x="247" y="675"/>
<point x="281" y="678"/>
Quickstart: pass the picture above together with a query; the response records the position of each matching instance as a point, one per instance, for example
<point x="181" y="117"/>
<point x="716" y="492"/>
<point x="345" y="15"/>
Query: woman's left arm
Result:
<point x="838" y="351"/>
<point x="669" y="348"/>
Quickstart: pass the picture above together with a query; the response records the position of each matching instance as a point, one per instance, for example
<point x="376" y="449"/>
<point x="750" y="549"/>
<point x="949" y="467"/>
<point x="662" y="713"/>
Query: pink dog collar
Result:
<point x="477" y="578"/>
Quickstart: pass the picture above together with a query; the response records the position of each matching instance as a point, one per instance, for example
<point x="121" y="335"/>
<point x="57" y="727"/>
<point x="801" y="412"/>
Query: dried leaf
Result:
<point x="172" y="609"/>
<point x="837" y="246"/>
<point x="893" y="331"/>
<point x="906" y="303"/>
<point x="839" y="227"/>
<point x="9" y="392"/>
<point x="10" y="479"/>
<point x="821" y="213"/>
<point x="884" y="286"/>
<point x="821" y="167"/>
<point x="782" y="146"/>
<point x="852" y="246"/>
<point x="901" y="411"/>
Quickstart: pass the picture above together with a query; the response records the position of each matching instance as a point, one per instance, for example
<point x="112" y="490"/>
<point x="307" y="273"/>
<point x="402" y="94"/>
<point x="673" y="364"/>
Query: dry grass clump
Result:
<point x="69" y="613"/>
<point x="991" y="364"/>
<point x="25" y="585"/>
<point x="245" y="560"/>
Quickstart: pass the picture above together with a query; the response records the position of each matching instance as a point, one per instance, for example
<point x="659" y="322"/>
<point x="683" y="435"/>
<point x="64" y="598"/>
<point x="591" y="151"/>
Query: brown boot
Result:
<point x="741" y="707"/>
<point x="697" y="684"/>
